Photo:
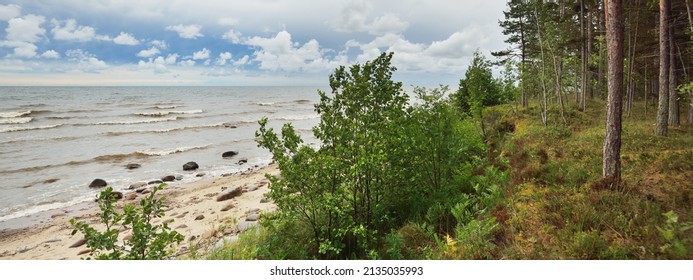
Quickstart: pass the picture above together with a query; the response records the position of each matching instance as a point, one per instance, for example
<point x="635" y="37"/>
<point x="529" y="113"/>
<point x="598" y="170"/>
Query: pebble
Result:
<point x="199" y="217"/>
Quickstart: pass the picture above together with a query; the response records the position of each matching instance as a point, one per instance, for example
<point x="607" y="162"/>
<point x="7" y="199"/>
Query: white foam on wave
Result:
<point x="165" y="107"/>
<point x="298" y="117"/>
<point x="15" y="114"/>
<point x="172" y="151"/>
<point x="137" y="122"/>
<point x="166" y="113"/>
<point x="43" y="207"/>
<point x="24" y="128"/>
<point x="15" y="120"/>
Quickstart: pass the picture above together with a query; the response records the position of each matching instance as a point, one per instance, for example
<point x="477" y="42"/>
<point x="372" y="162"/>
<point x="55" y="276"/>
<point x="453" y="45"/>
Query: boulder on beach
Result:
<point x="229" y="193"/>
<point x="133" y="166"/>
<point x="229" y="154"/>
<point x="137" y="185"/>
<point x="117" y="195"/>
<point x="153" y="182"/>
<point x="190" y="166"/>
<point x="168" y="178"/>
<point x="98" y="183"/>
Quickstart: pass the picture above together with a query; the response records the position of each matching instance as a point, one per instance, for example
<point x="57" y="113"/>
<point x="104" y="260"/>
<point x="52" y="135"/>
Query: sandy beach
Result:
<point x="193" y="209"/>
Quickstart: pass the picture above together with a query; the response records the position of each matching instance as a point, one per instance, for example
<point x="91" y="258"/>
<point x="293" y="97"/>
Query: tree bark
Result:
<point x="673" y="97"/>
<point x="614" y="42"/>
<point x="583" y="86"/>
<point x="663" y="108"/>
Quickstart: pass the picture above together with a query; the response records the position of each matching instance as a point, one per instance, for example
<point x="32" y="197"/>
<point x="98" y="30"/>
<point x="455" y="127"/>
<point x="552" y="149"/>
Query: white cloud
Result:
<point x="10" y="11"/>
<point x="186" y="31"/>
<point x="161" y="44"/>
<point x="233" y="36"/>
<point x="243" y="61"/>
<point x="282" y="54"/>
<point x="223" y="57"/>
<point x="158" y="64"/>
<point x="25" y="29"/>
<point x="188" y="63"/>
<point x="354" y="15"/>
<point x="50" y="54"/>
<point x="126" y="39"/>
<point x="227" y="21"/>
<point x="86" y="62"/>
<point x="387" y="24"/>
<point x="68" y="30"/>
<point x="20" y="49"/>
<point x="202" y="54"/>
<point x="148" y="53"/>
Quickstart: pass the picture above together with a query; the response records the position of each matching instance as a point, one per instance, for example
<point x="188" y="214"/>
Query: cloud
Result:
<point x="243" y="61"/>
<point x="10" y="11"/>
<point x="223" y="57"/>
<point x="50" y="54"/>
<point x="25" y="29"/>
<point x="68" y="30"/>
<point x="233" y="36"/>
<point x="126" y="39"/>
<point x="22" y="33"/>
<point x="186" y="31"/>
<point x="20" y="49"/>
<point x="227" y="21"/>
<point x="279" y="54"/>
<point x="202" y="54"/>
<point x="353" y="17"/>
<point x="147" y="53"/>
<point x="158" y="64"/>
<point x="86" y="62"/>
<point x="187" y="62"/>
<point x="159" y="44"/>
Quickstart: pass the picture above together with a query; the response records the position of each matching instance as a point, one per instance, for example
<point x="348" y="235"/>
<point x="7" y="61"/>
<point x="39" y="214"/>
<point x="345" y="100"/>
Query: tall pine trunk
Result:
<point x="673" y="97"/>
<point x="663" y="108"/>
<point x="614" y="43"/>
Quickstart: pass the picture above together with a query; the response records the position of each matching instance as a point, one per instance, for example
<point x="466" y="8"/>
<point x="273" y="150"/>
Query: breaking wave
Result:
<point x="15" y="120"/>
<point x="24" y="128"/>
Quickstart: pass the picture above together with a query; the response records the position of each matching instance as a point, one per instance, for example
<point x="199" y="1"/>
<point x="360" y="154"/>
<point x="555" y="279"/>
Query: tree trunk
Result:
<point x="690" y="94"/>
<point x="583" y="86"/>
<point x="663" y="108"/>
<point x="614" y="42"/>
<point x="673" y="97"/>
<point x="590" y="44"/>
<point x="545" y="105"/>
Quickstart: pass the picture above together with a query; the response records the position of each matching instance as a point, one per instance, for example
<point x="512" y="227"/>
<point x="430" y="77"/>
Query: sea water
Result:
<point x="55" y="140"/>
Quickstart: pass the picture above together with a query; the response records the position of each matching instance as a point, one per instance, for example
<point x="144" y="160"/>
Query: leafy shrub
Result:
<point x="147" y="242"/>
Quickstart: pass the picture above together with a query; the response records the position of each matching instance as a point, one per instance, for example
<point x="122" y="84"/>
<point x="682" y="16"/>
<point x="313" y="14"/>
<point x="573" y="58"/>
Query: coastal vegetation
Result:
<point x="541" y="163"/>
<point x="147" y="241"/>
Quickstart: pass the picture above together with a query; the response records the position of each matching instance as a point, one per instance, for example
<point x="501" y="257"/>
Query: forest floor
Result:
<point x="556" y="205"/>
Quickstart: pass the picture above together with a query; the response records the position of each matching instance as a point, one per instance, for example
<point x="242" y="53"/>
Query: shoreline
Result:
<point x="193" y="206"/>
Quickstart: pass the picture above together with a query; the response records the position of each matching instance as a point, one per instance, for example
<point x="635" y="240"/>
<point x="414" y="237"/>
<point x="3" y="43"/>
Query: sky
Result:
<point x="239" y="43"/>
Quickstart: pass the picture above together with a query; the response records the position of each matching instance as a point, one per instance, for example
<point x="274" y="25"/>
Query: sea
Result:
<point x="55" y="140"/>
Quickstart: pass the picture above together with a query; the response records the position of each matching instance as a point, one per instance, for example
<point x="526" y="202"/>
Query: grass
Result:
<point x="560" y="209"/>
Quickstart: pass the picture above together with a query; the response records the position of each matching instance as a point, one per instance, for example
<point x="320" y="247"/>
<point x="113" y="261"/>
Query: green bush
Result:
<point x="147" y="242"/>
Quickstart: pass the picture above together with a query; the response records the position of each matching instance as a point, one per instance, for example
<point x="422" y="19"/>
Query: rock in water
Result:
<point x="230" y="193"/>
<point x="229" y="154"/>
<point x="133" y="166"/>
<point x="98" y="183"/>
<point x="242" y="161"/>
<point x="169" y="178"/>
<point x="155" y="182"/>
<point x="190" y="166"/>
